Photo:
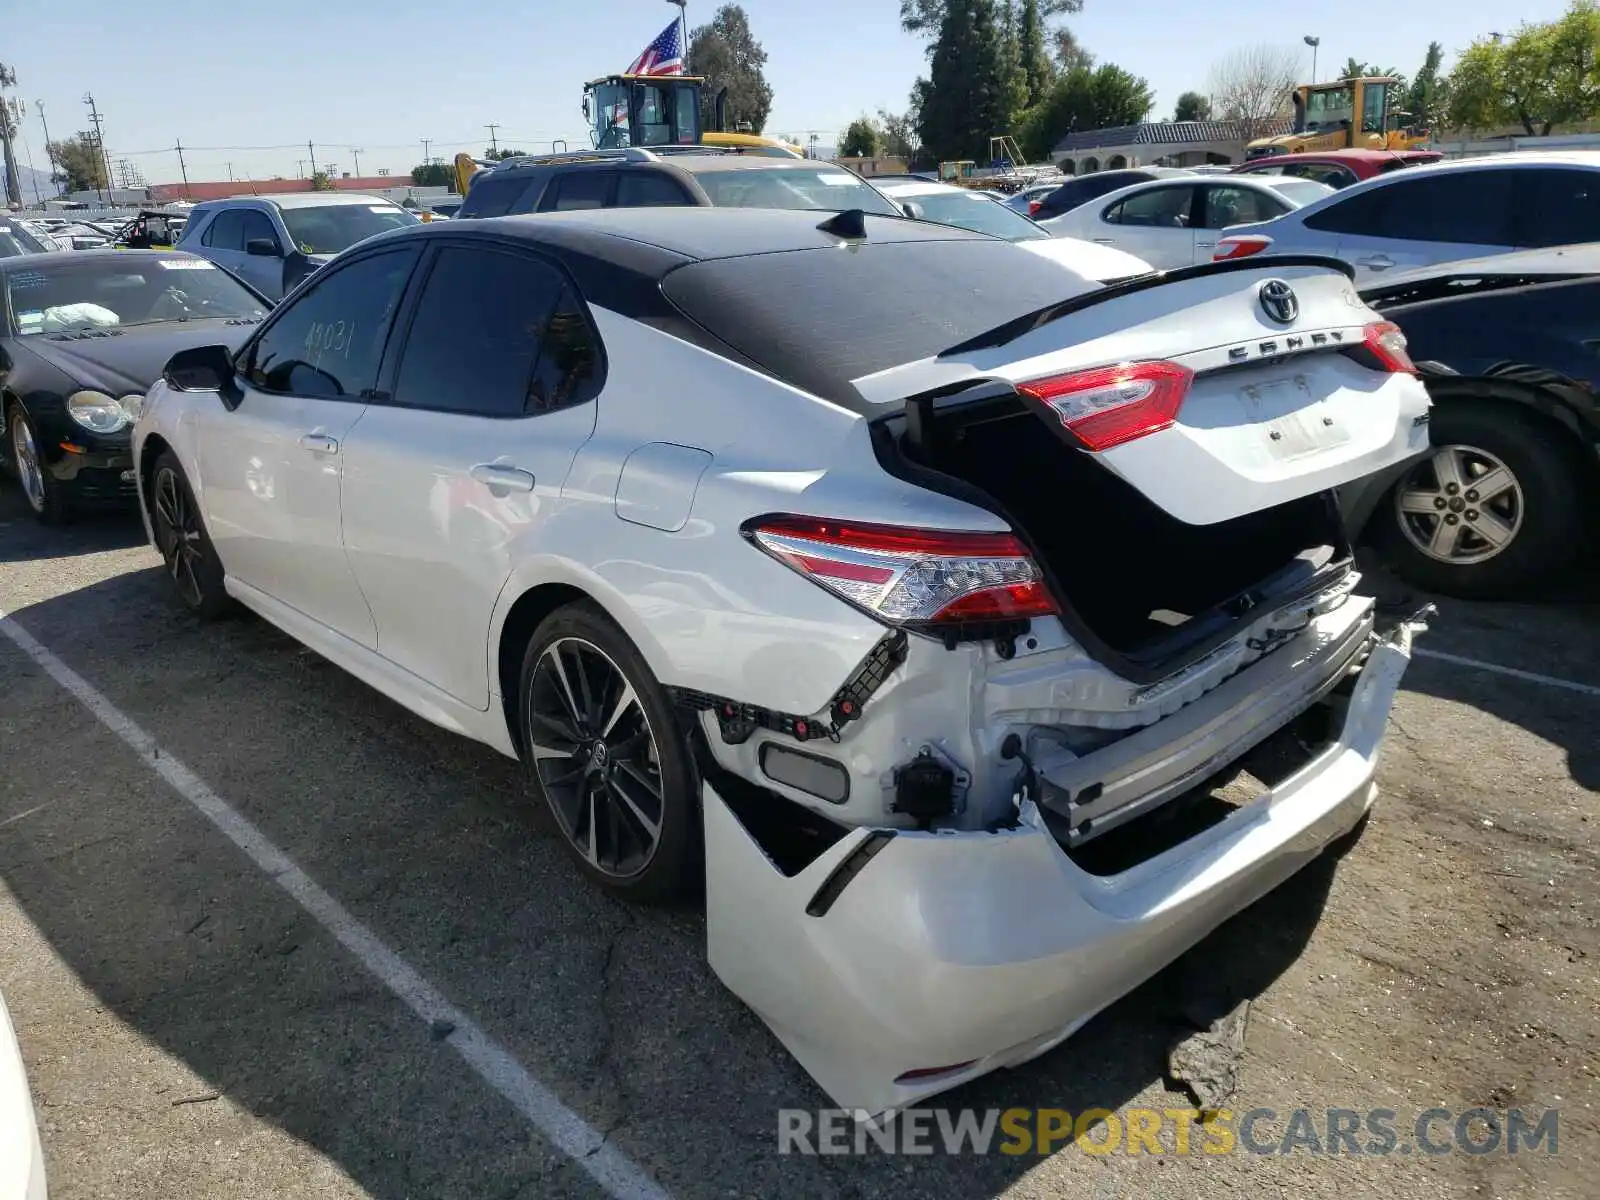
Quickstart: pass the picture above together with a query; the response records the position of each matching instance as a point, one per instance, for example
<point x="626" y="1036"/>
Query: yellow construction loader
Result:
<point x="1347" y="113"/>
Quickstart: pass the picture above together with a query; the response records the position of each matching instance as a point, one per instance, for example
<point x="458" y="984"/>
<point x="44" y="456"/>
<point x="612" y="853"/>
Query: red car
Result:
<point x="1337" y="168"/>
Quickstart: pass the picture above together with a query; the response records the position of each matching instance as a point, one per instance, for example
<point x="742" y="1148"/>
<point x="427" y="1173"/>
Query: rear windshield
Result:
<point x="819" y="319"/>
<point x="969" y="210"/>
<point x="822" y="187"/>
<point x="1301" y="191"/>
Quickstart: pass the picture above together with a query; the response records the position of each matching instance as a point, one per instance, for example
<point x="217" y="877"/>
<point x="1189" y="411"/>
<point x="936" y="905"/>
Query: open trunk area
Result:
<point x="1152" y="589"/>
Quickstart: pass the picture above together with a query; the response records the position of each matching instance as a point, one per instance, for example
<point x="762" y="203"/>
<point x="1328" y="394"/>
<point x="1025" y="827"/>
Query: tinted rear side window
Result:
<point x="496" y="197"/>
<point x="881" y="305"/>
<point x="578" y="189"/>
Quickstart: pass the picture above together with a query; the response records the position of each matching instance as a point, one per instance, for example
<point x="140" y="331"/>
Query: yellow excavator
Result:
<point x="1347" y="113"/>
<point x="650" y="111"/>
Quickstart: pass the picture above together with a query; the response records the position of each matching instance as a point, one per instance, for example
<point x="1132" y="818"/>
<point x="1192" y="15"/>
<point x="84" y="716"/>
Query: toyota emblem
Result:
<point x="1278" y="301"/>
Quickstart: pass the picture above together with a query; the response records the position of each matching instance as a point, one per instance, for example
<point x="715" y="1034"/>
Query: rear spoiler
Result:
<point x="1028" y="322"/>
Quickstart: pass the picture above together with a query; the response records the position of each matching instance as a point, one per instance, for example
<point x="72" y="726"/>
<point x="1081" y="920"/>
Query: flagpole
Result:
<point x="683" y="29"/>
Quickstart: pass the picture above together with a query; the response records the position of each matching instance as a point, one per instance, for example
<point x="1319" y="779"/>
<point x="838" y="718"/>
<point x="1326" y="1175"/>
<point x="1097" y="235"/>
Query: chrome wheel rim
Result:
<point x="1460" y="506"/>
<point x="596" y="757"/>
<point x="178" y="534"/>
<point x="26" y="456"/>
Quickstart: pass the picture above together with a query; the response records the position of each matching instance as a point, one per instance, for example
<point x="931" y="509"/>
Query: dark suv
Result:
<point x="637" y="177"/>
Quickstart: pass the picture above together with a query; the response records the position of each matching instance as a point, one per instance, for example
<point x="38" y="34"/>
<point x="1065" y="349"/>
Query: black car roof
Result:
<point x="685" y="233"/>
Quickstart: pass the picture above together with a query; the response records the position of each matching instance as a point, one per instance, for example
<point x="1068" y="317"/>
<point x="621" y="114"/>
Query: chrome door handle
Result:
<point x="1204" y="245"/>
<point x="1376" y="262"/>
<point x="319" y="443"/>
<point x="497" y="475"/>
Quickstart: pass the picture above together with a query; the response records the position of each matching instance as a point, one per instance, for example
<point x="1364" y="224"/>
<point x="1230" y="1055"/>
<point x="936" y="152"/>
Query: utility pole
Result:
<point x="230" y="172"/>
<point x="312" y="150"/>
<point x="356" y="154"/>
<point x="299" y="168"/>
<point x="99" y="146"/>
<point x="10" y="118"/>
<point x="426" y="142"/>
<point x="183" y="168"/>
<point x="494" y="145"/>
<point x="49" y="151"/>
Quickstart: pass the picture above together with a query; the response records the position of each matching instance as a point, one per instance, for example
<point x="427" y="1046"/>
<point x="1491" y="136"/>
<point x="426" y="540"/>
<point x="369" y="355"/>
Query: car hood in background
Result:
<point x="119" y="361"/>
<point x="1099" y="263"/>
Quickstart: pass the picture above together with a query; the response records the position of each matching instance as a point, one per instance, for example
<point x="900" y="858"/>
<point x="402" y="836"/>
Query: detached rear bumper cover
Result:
<point x="988" y="949"/>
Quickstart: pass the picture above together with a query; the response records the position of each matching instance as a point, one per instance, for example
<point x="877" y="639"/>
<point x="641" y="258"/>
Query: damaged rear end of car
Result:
<point x="1128" y="681"/>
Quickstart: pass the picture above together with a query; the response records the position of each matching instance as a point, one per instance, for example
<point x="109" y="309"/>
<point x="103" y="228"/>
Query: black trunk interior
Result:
<point x="1117" y="558"/>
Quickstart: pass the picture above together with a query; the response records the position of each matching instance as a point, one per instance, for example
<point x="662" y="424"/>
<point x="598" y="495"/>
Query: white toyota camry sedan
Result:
<point x="893" y="582"/>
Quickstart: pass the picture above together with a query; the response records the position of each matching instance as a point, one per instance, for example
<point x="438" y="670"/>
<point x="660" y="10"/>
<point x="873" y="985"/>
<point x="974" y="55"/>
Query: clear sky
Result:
<point x="249" y="86"/>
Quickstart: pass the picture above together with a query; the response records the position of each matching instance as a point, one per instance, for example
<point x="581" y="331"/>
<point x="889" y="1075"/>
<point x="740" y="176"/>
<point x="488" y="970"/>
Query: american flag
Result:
<point x="664" y="56"/>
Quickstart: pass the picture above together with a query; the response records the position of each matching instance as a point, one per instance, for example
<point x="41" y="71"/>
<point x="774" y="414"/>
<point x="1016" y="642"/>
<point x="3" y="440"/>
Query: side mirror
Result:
<point x="262" y="248"/>
<point x="200" y="369"/>
<point x="912" y="209"/>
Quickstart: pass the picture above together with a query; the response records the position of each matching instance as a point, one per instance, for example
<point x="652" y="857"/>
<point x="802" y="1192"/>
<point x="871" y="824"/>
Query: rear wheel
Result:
<point x="1496" y="509"/>
<point x="191" y="559"/>
<point x="604" y="751"/>
<point x="49" y="499"/>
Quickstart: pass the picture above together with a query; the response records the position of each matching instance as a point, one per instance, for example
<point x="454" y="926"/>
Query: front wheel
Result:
<point x="604" y="751"/>
<point x="191" y="559"/>
<point x="1496" y="509"/>
<point x="49" y="499"/>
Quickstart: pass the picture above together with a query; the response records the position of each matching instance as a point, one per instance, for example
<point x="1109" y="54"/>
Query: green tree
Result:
<point x="1545" y="75"/>
<point x="1082" y="100"/>
<point x="1425" y="99"/>
<point x="898" y="134"/>
<point x="727" y="54"/>
<point x="966" y="99"/>
<point x="927" y="16"/>
<point x="502" y="152"/>
<point x="80" y="160"/>
<point x="431" y="175"/>
<point x="1037" y="70"/>
<point x="321" y="183"/>
<point x="1192" y="106"/>
<point x="1013" y="79"/>
<point x="860" y="139"/>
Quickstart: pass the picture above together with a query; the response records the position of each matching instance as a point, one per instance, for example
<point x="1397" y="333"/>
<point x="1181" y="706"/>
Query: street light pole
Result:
<point x="1313" y="42"/>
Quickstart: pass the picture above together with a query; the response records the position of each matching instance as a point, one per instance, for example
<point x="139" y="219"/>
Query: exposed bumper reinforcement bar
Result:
<point x="969" y="951"/>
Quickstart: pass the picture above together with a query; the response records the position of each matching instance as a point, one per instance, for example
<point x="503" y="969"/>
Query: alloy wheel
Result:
<point x="26" y="456"/>
<point x="596" y="757"/>
<point x="1460" y="506"/>
<point x="178" y="534"/>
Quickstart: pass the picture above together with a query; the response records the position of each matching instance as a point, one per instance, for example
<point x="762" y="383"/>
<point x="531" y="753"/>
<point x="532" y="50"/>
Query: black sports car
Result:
<point x="82" y="335"/>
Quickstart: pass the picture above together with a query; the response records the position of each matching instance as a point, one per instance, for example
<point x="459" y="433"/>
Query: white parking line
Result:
<point x="618" y="1175"/>
<point x="1585" y="689"/>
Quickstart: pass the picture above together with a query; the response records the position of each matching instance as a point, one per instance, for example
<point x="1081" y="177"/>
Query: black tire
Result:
<point x="56" y="505"/>
<point x="1548" y="464"/>
<point x="575" y="785"/>
<point x="191" y="560"/>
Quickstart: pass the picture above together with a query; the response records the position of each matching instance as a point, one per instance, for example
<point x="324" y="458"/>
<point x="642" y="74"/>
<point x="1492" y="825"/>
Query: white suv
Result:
<point x="909" y="579"/>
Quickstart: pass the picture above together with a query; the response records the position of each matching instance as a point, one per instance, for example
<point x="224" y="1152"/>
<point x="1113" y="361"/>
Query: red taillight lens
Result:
<point x="1108" y="406"/>
<point x="911" y="576"/>
<point x="1242" y="246"/>
<point x="1388" y="346"/>
<point x="1034" y="206"/>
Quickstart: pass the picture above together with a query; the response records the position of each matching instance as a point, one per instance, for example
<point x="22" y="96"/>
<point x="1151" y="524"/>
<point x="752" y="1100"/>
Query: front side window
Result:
<point x="578" y="189"/>
<point x="476" y="335"/>
<point x="648" y="189"/>
<point x="1466" y="207"/>
<point x="257" y="228"/>
<point x="1374" y="101"/>
<point x="226" y="231"/>
<point x="1227" y="205"/>
<point x="328" y="341"/>
<point x="334" y="228"/>
<point x="1329" y="109"/>
<point x="1161" y="208"/>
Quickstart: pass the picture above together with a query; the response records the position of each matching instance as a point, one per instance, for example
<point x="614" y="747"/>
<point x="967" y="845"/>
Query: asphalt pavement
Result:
<point x="194" y="1026"/>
